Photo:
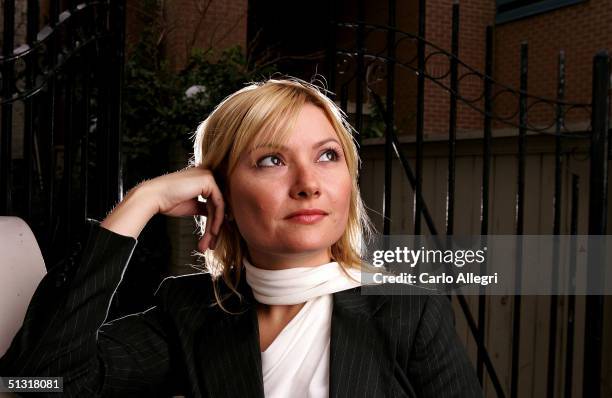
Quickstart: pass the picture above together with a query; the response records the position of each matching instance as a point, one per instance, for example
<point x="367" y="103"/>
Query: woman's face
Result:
<point x="291" y="203"/>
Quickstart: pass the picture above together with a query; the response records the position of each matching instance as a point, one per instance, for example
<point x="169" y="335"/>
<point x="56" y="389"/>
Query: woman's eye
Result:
<point x="269" y="161"/>
<point x="329" y="156"/>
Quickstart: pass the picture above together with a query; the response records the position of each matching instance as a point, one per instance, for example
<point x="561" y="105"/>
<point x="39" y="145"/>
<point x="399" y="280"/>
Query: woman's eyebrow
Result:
<point x="283" y="147"/>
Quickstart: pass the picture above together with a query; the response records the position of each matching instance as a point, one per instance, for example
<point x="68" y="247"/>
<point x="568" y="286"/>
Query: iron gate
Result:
<point x="362" y="70"/>
<point x="60" y="117"/>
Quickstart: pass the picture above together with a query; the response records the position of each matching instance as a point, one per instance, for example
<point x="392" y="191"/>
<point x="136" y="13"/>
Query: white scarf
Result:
<point x="300" y="284"/>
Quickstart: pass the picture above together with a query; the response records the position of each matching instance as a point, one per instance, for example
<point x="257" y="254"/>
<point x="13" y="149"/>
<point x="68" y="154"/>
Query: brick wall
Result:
<point x="473" y="19"/>
<point x="191" y="24"/>
<point x="203" y="24"/>
<point x="580" y="30"/>
<point x="134" y="13"/>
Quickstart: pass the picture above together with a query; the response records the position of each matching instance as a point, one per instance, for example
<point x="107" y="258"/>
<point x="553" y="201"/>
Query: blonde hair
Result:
<point x="263" y="113"/>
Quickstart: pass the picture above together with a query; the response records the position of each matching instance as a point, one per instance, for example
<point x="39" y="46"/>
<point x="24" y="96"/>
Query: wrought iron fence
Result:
<point x="60" y="116"/>
<point x="362" y="70"/>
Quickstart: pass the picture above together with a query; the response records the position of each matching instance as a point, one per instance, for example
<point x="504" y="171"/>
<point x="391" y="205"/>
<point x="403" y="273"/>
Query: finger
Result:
<point x="202" y="245"/>
<point x="190" y="208"/>
<point x="208" y="228"/>
<point x="216" y="209"/>
<point x="213" y="242"/>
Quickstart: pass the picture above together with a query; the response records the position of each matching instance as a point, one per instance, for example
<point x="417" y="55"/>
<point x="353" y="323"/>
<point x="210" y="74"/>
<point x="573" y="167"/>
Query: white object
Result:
<point x="300" y="284"/>
<point x="194" y="90"/>
<point x="296" y="364"/>
<point x="21" y="269"/>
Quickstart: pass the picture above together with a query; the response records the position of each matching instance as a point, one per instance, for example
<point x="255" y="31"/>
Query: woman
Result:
<point x="278" y="168"/>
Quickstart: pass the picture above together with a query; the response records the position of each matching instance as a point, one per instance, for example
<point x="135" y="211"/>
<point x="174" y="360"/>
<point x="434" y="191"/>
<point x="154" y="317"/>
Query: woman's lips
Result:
<point x="307" y="218"/>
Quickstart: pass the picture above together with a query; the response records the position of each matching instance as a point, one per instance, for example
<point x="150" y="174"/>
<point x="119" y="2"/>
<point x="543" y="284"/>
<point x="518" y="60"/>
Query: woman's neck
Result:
<point x="272" y="319"/>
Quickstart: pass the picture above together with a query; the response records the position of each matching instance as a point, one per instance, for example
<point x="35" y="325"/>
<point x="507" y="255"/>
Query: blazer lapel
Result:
<point x="361" y="355"/>
<point x="230" y="354"/>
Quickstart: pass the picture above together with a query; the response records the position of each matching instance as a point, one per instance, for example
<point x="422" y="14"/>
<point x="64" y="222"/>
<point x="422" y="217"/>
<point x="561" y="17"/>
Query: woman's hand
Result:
<point x="175" y="194"/>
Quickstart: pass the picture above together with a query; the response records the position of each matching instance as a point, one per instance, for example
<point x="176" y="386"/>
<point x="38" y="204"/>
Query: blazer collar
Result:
<point x="231" y="358"/>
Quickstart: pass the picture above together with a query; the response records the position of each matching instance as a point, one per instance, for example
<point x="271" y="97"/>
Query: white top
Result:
<point x="296" y="364"/>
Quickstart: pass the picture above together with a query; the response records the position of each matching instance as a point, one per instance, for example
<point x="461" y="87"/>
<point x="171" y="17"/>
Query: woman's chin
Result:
<point x="306" y="246"/>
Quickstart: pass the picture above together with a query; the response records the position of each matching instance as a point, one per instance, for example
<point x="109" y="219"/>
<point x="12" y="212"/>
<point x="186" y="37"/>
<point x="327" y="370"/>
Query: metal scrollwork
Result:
<point x="47" y="57"/>
<point x="437" y="69"/>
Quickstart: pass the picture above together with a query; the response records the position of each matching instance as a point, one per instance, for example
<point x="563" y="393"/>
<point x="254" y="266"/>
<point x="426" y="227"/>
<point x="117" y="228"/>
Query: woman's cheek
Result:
<point x="345" y="192"/>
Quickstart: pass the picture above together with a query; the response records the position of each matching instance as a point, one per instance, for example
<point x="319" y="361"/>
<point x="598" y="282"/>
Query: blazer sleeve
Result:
<point x="65" y="332"/>
<point x="439" y="366"/>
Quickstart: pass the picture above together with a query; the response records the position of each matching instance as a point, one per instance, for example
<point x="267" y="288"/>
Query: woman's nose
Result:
<point x="305" y="182"/>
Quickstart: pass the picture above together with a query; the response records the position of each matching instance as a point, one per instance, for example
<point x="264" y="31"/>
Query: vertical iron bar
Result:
<point x="6" y="154"/>
<point x="571" y="298"/>
<point x="598" y="186"/>
<point x="102" y="130"/>
<point x="85" y="135"/>
<point x="418" y="203"/>
<point x="487" y="359"/>
<point x="51" y="93"/>
<point x="105" y="196"/>
<point x="68" y="132"/>
<point x="520" y="212"/>
<point x="609" y="146"/>
<point x="389" y="118"/>
<point x="360" y="72"/>
<point x="484" y="199"/>
<point x="344" y="93"/>
<point x="452" y="129"/>
<point x="101" y="133"/>
<point x="32" y="29"/>
<point x="552" y="331"/>
<point x="117" y="27"/>
<point x="452" y="123"/>
<point x="331" y="49"/>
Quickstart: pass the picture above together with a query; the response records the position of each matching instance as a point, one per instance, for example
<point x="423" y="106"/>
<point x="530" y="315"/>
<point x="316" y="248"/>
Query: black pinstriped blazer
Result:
<point x="381" y="346"/>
